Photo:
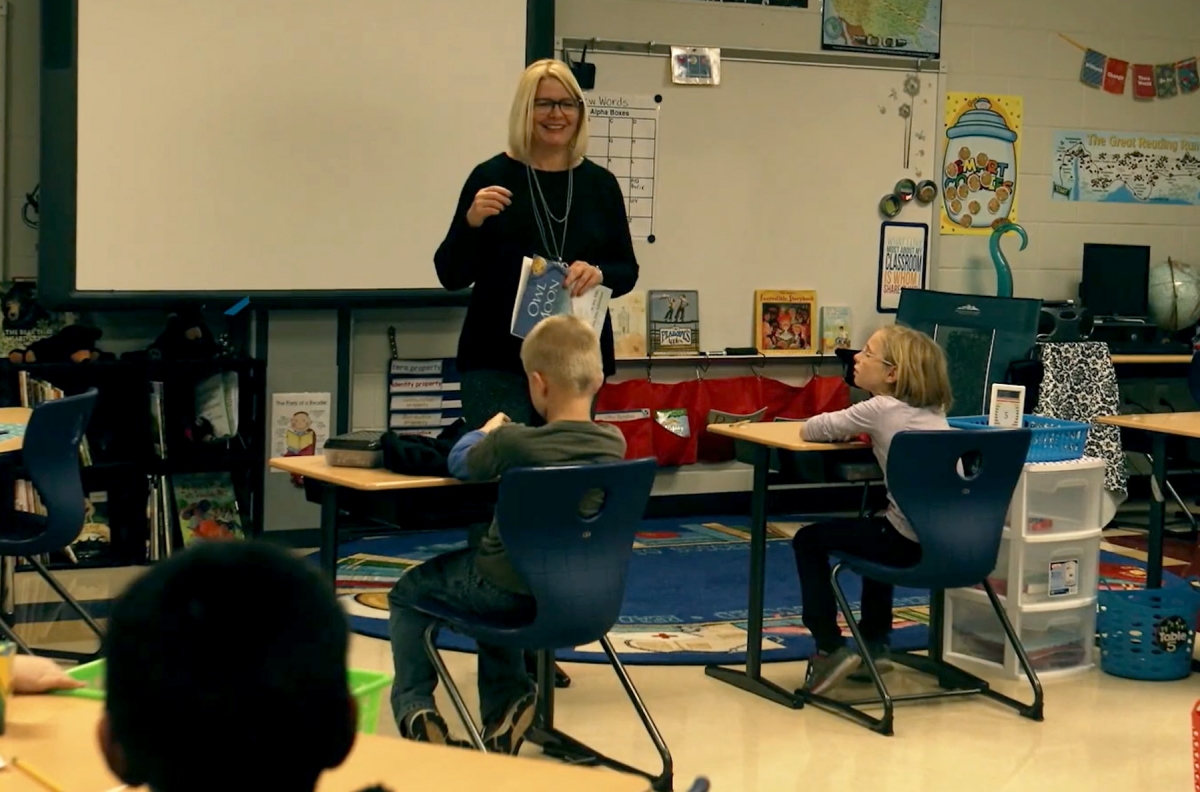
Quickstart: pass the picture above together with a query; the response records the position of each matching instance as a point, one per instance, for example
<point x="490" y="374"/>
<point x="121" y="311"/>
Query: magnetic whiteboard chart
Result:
<point x="283" y="144"/>
<point x="772" y="180"/>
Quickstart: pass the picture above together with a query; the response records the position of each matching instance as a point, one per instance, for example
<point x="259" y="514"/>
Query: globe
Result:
<point x="1174" y="294"/>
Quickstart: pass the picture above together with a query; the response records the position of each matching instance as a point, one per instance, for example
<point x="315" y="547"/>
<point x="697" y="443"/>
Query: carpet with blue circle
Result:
<point x="686" y="595"/>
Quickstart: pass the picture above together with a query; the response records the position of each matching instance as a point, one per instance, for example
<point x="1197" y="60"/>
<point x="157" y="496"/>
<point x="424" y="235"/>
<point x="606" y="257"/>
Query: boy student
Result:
<point x="205" y="693"/>
<point x="904" y="370"/>
<point x="561" y="358"/>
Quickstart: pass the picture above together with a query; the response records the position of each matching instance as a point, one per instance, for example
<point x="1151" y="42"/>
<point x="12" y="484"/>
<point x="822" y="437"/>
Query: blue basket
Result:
<point x="1053" y="440"/>
<point x="1147" y="633"/>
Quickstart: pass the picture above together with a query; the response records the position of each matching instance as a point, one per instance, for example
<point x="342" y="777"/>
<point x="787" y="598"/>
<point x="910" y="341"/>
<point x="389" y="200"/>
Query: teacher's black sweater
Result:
<point x="489" y="257"/>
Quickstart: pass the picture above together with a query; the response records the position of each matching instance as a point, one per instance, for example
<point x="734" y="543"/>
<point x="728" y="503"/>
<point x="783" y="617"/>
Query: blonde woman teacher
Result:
<point x="540" y="197"/>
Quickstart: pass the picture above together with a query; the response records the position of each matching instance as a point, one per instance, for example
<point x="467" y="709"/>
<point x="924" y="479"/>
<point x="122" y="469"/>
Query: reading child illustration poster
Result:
<point x="299" y="424"/>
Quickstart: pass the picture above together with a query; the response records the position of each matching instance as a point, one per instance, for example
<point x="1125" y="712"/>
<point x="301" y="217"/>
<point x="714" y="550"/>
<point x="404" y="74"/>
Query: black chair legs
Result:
<point x="952" y="681"/>
<point x="554" y="742"/>
<point x="460" y="706"/>
<point x="73" y="604"/>
<point x="70" y="602"/>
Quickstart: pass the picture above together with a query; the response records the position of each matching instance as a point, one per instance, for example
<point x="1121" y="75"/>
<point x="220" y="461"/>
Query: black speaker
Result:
<point x="1064" y="322"/>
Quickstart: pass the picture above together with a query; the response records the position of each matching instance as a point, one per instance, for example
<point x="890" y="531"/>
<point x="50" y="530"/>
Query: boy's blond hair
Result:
<point x="921" y="376"/>
<point x="520" y="120"/>
<point x="566" y="352"/>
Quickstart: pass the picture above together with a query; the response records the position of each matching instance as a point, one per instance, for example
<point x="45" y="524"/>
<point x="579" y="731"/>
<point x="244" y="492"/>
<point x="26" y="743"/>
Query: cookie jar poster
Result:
<point x="982" y="152"/>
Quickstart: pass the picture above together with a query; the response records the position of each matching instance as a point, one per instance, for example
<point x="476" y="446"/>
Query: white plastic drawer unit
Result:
<point x="1058" y="498"/>
<point x="1048" y="571"/>
<point x="1057" y="641"/>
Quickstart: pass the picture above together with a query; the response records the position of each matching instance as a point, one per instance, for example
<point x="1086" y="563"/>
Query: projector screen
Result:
<point x="282" y="145"/>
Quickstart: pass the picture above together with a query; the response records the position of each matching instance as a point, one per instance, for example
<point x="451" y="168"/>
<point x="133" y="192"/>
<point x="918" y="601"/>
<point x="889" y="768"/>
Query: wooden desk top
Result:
<point x="365" y="479"/>
<point x="13" y="415"/>
<point x="1151" y="359"/>
<point x="1180" y="424"/>
<point x="784" y="435"/>
<point x="57" y="735"/>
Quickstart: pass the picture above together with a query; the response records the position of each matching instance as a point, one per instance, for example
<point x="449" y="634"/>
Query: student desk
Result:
<point x="57" y="736"/>
<point x="333" y="483"/>
<point x="336" y="485"/>
<point x="1158" y="426"/>
<point x="762" y="438"/>
<point x="13" y="415"/>
<point x="1166" y="360"/>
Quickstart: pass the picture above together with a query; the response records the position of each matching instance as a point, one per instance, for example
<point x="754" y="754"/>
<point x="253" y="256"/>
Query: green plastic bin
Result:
<point x="366" y="686"/>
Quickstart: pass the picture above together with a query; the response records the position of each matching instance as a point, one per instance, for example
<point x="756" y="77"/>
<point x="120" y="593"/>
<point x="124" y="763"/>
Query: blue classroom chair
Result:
<point x="575" y="567"/>
<point x="50" y="455"/>
<point x="959" y="518"/>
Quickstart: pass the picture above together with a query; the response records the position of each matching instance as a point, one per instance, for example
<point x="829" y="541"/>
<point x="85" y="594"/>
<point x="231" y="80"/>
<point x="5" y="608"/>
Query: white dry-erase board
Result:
<point x="282" y="145"/>
<point x="772" y="180"/>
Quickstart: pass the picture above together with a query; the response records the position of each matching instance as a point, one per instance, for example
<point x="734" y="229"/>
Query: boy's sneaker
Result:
<point x="506" y="735"/>
<point x="883" y="663"/>
<point x="829" y="669"/>
<point x="425" y="725"/>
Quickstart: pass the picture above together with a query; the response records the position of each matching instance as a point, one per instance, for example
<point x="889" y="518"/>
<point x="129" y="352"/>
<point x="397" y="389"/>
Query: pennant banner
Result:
<point x="1149" y="81"/>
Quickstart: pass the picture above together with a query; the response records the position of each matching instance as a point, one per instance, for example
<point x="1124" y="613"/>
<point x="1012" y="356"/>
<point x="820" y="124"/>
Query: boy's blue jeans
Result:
<point x="451" y="578"/>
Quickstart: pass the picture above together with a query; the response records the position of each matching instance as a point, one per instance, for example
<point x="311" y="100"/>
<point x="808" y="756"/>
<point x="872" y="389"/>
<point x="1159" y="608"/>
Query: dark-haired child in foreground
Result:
<point x="561" y="356"/>
<point x="204" y="694"/>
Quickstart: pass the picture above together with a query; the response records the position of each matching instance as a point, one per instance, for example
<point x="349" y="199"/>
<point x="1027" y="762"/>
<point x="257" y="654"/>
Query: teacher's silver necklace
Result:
<point x="552" y="244"/>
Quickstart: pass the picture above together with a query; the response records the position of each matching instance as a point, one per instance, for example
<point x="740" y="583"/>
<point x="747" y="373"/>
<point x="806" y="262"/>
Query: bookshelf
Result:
<point x="121" y="460"/>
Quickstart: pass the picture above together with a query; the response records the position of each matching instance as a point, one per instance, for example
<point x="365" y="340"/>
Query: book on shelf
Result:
<point x="542" y="293"/>
<point x="206" y="506"/>
<point x="785" y="322"/>
<point x="835" y="328"/>
<point x="674" y="322"/>
<point x="34" y="392"/>
<point x="629" y="325"/>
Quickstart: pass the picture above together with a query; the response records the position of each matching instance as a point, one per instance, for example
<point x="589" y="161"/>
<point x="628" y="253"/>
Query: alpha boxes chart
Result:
<point x="623" y="137"/>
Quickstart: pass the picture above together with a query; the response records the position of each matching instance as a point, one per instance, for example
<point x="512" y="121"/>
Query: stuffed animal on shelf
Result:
<point x="186" y="337"/>
<point x="72" y="344"/>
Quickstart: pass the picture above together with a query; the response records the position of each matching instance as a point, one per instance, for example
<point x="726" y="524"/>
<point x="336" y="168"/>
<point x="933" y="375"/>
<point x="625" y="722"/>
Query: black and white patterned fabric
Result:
<point x="1080" y="384"/>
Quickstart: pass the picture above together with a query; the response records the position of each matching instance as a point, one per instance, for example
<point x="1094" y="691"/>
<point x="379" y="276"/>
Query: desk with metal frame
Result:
<point x="1159" y="426"/>
<point x="762" y="439"/>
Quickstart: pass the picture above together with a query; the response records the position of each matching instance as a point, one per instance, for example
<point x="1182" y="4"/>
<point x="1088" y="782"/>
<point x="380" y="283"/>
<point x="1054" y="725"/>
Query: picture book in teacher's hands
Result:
<point x="541" y="293"/>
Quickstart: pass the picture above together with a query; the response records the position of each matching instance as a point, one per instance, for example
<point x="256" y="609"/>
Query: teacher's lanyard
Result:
<point x="552" y="245"/>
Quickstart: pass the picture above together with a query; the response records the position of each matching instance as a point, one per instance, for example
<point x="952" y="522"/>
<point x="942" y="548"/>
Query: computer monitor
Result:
<point x="1116" y="280"/>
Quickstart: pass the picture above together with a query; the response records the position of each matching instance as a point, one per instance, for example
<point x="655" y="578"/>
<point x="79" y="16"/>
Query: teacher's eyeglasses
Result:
<point x="565" y="106"/>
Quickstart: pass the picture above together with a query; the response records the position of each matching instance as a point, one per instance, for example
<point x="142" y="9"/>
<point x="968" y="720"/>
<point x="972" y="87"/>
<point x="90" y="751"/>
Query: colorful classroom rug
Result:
<point x="686" y="597"/>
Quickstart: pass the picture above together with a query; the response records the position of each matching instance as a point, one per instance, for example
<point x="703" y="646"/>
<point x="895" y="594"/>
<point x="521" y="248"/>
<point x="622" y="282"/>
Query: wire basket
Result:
<point x="1148" y="634"/>
<point x="1054" y="440"/>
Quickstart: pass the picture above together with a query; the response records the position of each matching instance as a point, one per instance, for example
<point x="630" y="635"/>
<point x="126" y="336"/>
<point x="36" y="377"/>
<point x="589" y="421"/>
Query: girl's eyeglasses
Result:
<point x="872" y="356"/>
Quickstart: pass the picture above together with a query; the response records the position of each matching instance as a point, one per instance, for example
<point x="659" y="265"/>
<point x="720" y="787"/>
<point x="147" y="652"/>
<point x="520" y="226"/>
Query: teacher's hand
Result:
<point x="582" y="277"/>
<point x="489" y="201"/>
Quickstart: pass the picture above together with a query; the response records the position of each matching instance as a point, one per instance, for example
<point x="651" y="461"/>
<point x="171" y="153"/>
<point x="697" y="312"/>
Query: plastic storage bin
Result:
<point x="1048" y="572"/>
<point x="1148" y="633"/>
<point x="366" y="686"/>
<point x="1057" y="641"/>
<point x="1058" y="498"/>
<point x="1053" y="440"/>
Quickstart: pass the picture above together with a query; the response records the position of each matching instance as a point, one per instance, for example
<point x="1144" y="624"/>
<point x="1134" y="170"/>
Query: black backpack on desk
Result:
<point x="416" y="455"/>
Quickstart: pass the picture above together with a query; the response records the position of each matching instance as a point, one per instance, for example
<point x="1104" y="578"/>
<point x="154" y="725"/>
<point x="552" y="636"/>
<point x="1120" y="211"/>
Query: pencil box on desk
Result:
<point x="362" y="449"/>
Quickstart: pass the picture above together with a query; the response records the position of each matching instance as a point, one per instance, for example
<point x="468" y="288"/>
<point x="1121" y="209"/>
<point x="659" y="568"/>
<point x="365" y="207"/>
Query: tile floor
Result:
<point x="1099" y="732"/>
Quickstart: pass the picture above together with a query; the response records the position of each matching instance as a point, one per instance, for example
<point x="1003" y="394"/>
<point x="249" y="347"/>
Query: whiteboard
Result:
<point x="269" y="145"/>
<point x="772" y="180"/>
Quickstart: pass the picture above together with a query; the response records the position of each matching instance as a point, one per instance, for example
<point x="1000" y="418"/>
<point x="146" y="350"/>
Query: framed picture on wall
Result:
<point x="786" y="322"/>
<point x="903" y="260"/>
<point x="776" y="3"/>
<point x="912" y="28"/>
